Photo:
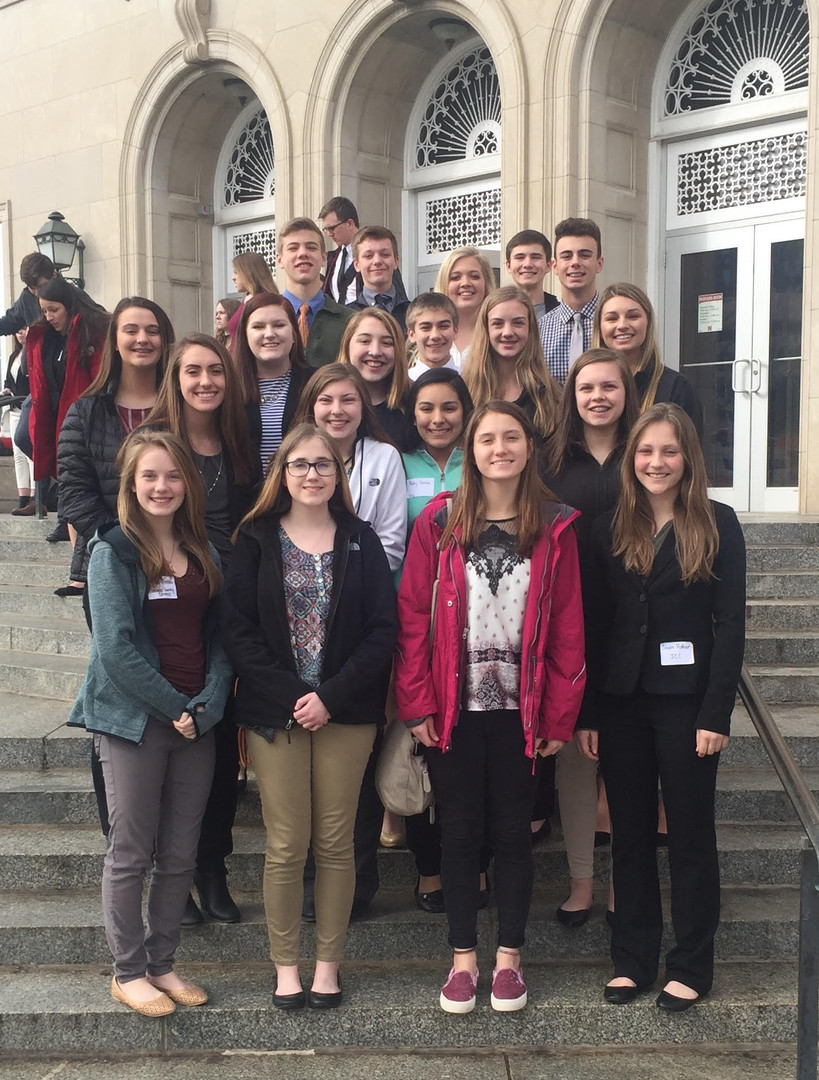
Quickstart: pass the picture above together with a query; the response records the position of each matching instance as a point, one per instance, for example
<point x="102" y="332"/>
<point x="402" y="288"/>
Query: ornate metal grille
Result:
<point x="462" y="117"/>
<point x="463" y="220"/>
<point x="743" y="174"/>
<point x="251" y="170"/>
<point x="738" y="50"/>
<point x="262" y="240"/>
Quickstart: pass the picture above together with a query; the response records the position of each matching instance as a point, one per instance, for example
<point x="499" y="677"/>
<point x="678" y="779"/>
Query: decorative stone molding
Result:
<point x="192" y="16"/>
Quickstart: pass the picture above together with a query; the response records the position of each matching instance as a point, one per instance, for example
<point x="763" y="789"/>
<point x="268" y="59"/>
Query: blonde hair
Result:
<point x="480" y="371"/>
<point x="650" y="354"/>
<point x="399" y="380"/>
<point x="255" y="273"/>
<point x="189" y="519"/>
<point x="695" y="528"/>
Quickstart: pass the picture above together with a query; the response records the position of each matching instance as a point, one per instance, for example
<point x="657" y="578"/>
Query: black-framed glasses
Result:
<point x="323" y="467"/>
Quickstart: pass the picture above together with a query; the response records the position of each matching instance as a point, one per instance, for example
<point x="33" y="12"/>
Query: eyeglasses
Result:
<point x="323" y="467"/>
<point x="330" y="229"/>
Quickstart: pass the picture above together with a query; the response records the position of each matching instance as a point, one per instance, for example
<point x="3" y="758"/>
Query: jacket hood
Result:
<point x="113" y="535"/>
<point x="556" y="515"/>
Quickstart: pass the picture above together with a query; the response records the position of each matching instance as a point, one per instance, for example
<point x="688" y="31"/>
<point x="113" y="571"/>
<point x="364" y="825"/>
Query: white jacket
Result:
<point x="378" y="485"/>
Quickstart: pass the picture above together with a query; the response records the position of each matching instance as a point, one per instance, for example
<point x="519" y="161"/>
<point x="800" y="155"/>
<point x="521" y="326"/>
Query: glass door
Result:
<point x="734" y="327"/>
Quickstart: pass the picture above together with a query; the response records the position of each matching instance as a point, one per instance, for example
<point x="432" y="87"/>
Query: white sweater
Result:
<point x="378" y="486"/>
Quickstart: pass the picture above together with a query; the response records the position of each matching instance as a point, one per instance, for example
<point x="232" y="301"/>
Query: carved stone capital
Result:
<point x="192" y="16"/>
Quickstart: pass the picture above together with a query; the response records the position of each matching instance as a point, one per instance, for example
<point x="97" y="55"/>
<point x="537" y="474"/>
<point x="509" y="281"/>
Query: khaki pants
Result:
<point x="309" y="786"/>
<point x="577" y="791"/>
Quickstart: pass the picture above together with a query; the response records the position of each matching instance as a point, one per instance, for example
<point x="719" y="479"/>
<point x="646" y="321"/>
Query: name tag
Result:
<point x="676" y="653"/>
<point x="165" y="590"/>
<point x="420" y="485"/>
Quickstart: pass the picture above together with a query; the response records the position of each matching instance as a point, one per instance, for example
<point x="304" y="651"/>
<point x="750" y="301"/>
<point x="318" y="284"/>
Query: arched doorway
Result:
<point x="730" y="105"/>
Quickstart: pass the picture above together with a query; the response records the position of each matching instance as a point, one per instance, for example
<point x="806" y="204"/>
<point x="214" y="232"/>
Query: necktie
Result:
<point x="382" y="300"/>
<point x="304" y="329"/>
<point x="342" y="270"/>
<point x="576" y="342"/>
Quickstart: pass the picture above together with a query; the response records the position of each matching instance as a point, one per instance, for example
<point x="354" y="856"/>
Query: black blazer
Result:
<point x="298" y="379"/>
<point x="346" y="280"/>
<point x="359" y="639"/>
<point x="632" y="616"/>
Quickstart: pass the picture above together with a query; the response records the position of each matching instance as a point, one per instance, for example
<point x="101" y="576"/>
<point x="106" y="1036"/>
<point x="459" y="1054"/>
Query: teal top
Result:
<point x="425" y="479"/>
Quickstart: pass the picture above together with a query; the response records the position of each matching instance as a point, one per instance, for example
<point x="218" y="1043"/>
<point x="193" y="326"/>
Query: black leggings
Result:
<point x="484" y="785"/>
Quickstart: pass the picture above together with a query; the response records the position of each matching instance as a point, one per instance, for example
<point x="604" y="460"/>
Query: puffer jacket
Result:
<point x="90" y="439"/>
<point x="429" y="677"/>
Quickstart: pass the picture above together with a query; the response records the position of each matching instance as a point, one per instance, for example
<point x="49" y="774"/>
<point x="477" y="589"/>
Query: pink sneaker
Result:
<point x="458" y="994"/>
<point x="508" y="990"/>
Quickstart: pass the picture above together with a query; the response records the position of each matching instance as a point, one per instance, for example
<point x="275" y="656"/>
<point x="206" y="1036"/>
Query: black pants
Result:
<point x="645" y="738"/>
<point x="484" y="785"/>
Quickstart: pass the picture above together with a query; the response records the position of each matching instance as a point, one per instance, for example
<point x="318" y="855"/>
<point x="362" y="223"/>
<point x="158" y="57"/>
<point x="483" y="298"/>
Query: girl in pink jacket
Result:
<point x="489" y="675"/>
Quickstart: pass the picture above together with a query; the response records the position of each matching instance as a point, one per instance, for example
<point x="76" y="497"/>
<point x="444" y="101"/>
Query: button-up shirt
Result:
<point x="556" y="335"/>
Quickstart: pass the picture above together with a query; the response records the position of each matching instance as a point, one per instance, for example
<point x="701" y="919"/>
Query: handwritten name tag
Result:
<point x="676" y="653"/>
<point x="420" y="485"/>
<point x="165" y="590"/>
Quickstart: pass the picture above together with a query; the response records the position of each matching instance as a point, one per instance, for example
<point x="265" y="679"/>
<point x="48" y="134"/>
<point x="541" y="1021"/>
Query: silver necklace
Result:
<point x="208" y="490"/>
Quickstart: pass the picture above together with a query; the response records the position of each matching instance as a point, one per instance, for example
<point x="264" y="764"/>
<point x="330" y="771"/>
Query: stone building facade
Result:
<point x="174" y="133"/>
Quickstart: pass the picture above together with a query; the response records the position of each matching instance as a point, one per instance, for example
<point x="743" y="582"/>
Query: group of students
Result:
<point x="567" y="589"/>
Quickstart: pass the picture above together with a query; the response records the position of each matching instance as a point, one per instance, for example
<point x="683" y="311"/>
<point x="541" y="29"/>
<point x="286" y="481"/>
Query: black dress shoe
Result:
<point x="610" y="917"/>
<point x="69" y="590"/>
<point x="308" y="908"/>
<point x="290" y="1001"/>
<point x="431" y="902"/>
<point x="191" y="916"/>
<point x="573" y="919"/>
<point x="216" y="901"/>
<point x="58" y="534"/>
<point x="621" y="995"/>
<point x="602" y="839"/>
<point x="672" y="1003"/>
<point x="324" y="1001"/>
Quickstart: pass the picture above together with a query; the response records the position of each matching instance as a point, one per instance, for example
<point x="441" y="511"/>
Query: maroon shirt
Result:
<point x="178" y="631"/>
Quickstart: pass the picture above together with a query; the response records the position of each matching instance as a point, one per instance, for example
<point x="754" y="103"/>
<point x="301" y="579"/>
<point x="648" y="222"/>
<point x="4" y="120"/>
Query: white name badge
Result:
<point x="676" y="653"/>
<point x="165" y="590"/>
<point x="423" y="486"/>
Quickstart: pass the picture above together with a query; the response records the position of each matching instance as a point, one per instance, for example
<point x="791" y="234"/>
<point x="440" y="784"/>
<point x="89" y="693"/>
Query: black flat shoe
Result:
<point x="69" y="590"/>
<point x="191" y="916"/>
<point x="317" y="1000"/>
<point x="662" y="839"/>
<point x="573" y="919"/>
<point x="360" y="909"/>
<point x="308" y="908"/>
<point x="214" y="898"/>
<point x="59" y="534"/>
<point x="610" y="917"/>
<point x="290" y="1001"/>
<point x="674" y="1004"/>
<point x="621" y="995"/>
<point x="602" y="839"/>
<point x="430" y="902"/>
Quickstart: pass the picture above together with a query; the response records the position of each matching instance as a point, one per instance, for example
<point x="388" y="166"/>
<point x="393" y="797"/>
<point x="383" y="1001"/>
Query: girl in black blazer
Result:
<point x="667" y="639"/>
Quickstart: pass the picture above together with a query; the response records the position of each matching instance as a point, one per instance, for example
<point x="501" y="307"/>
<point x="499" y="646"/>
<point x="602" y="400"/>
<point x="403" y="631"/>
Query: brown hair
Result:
<point x="341" y="207"/>
<point x="231" y="418"/>
<point x="274" y="498"/>
<point x="321" y="379"/>
<point x="431" y="301"/>
<point x="34" y="266"/>
<point x="244" y="358"/>
<point x="299" y="224"/>
<point x="650" y="355"/>
<point x="399" y="380"/>
<point x="374" y="232"/>
<point x="108" y="377"/>
<point x="189" y="519"/>
<point x="254" y="272"/>
<point x="569" y="431"/>
<point x="480" y="370"/>
<point x="87" y="324"/>
<point x="576" y="226"/>
<point x="230" y="307"/>
<point x="695" y="529"/>
<point x="469" y="506"/>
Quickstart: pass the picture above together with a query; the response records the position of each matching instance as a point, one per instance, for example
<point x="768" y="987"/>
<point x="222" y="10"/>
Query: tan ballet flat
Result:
<point x="161" y="1006"/>
<point x="190" y="993"/>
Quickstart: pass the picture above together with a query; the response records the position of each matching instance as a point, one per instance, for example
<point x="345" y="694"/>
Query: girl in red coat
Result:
<point x="489" y="674"/>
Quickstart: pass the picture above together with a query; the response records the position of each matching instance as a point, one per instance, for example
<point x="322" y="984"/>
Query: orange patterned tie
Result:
<point x="304" y="329"/>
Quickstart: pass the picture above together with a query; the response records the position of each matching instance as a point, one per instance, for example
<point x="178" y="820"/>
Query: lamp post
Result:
<point x="59" y="242"/>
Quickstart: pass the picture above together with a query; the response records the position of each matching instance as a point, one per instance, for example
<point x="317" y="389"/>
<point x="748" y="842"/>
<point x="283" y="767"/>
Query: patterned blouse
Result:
<point x="498" y="584"/>
<point x="308" y="585"/>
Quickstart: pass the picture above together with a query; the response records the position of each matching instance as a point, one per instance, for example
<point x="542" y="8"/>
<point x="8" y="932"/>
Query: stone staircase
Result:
<point x="55" y="967"/>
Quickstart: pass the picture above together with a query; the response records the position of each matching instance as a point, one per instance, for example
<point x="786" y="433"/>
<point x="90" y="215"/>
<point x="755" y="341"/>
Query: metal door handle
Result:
<point x="737" y="389"/>
<point x="756" y="376"/>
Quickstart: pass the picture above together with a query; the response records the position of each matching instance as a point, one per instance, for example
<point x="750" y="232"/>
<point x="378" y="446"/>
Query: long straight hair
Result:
<point x="110" y="370"/>
<point x="274" y="498"/>
<point x="231" y="418"/>
<point x="244" y="358"/>
<point x="695" y="528"/>
<point x="398" y="379"/>
<point x="230" y="307"/>
<point x="88" y="329"/>
<point x="331" y="373"/>
<point x="469" y="506"/>
<point x="189" y="519"/>
<point x="650" y="360"/>
<point x="481" y="372"/>
<point x="570" y="432"/>
<point x="255" y="273"/>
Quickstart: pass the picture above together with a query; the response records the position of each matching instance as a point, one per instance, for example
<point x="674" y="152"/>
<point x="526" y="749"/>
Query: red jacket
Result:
<point x="428" y="681"/>
<point x="44" y="427"/>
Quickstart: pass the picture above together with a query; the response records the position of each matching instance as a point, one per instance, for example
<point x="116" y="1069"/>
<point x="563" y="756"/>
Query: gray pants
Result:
<point x="156" y="796"/>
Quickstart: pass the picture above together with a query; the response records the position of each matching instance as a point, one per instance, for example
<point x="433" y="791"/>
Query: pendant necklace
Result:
<point x="208" y="490"/>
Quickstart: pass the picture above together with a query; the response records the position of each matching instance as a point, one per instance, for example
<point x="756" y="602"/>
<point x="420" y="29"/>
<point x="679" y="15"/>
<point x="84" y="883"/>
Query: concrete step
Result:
<point x="34" y="857"/>
<point x="66" y="928"/>
<point x="26" y="599"/>
<point x="387" y="1005"/>
<point x="30" y="527"/>
<point x="46" y="571"/>
<point x="765" y="558"/>
<point x="799" y="724"/>
<point x="32" y="547"/>
<point x="789" y="584"/>
<point x="65" y="636"/>
<point x="793" y="684"/>
<point x="41" y="675"/>
<point x="771" y="647"/>
<point x="777" y="614"/>
<point x="780" y="529"/>
<point x="689" y="1062"/>
<point x="33" y="734"/>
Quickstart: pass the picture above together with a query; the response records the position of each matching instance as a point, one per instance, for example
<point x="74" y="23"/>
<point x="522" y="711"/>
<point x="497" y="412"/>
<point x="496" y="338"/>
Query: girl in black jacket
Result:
<point x="668" y="630"/>
<point x="309" y="624"/>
